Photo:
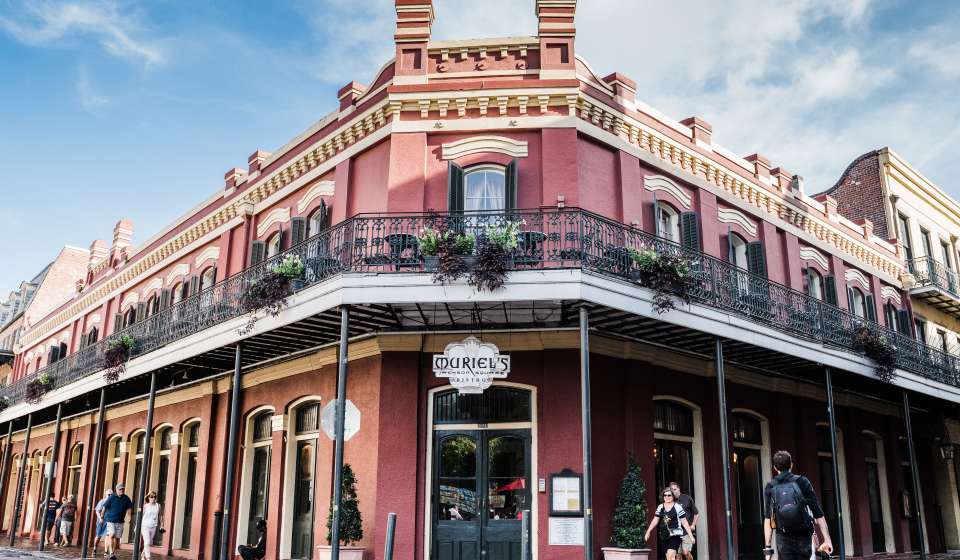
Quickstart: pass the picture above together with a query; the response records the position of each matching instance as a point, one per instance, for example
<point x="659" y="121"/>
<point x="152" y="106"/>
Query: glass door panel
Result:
<point x="258" y="491"/>
<point x="876" y="509"/>
<point x="457" y="507"/>
<point x="187" y="519"/>
<point x="828" y="499"/>
<point x="507" y="473"/>
<point x="303" y="499"/>
<point x="749" y="503"/>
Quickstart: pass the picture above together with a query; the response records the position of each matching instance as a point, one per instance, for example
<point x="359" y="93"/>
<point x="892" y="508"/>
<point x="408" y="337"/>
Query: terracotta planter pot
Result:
<point x="346" y="552"/>
<point x="610" y="553"/>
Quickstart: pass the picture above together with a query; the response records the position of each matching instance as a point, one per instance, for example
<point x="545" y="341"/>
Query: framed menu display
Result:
<point x="566" y="494"/>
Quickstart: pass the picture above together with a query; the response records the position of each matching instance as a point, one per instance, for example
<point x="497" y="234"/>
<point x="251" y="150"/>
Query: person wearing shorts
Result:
<point x="115" y="510"/>
<point x="68" y="512"/>
<point x="101" y="523"/>
<point x="674" y="519"/>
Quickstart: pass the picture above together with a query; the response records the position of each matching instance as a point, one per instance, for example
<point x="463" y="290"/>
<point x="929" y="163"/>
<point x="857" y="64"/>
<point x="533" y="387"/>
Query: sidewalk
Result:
<point x="28" y="549"/>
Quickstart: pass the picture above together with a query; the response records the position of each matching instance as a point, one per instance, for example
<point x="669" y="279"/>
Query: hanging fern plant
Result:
<point x="667" y="275"/>
<point x="38" y="387"/>
<point x="875" y="346"/>
<point x="494" y="256"/>
<point x="116" y="357"/>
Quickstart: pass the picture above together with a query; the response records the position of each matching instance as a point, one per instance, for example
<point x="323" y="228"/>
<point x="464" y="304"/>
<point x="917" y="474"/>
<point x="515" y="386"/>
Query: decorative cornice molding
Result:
<point x="484" y="144"/>
<point x="891" y="293"/>
<point x="276" y="216"/>
<point x="181" y="269"/>
<point x="211" y="252"/>
<point x="322" y="188"/>
<point x="731" y="216"/>
<point x="129" y="299"/>
<point x="661" y="183"/>
<point x="854" y="275"/>
<point x="811" y="254"/>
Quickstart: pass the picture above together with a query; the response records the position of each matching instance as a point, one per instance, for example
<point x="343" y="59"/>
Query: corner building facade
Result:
<point x="470" y="134"/>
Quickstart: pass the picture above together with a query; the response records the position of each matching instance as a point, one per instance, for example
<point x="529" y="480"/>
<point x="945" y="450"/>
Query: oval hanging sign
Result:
<point x="471" y="365"/>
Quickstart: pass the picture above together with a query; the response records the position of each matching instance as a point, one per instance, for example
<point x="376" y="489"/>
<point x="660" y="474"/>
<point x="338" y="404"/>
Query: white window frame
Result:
<point x="289" y="472"/>
<point x="814" y="283"/>
<point x="185" y="451"/>
<point x="74" y="470"/>
<point x="881" y="461"/>
<point x="485" y="168"/>
<point x="272" y="247"/>
<point x="249" y="446"/>
<point x="739" y="245"/>
<point x="668" y="224"/>
<point x="841" y="463"/>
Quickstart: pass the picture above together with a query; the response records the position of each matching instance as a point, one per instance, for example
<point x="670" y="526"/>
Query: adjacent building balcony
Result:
<point x="937" y="285"/>
<point x="551" y="243"/>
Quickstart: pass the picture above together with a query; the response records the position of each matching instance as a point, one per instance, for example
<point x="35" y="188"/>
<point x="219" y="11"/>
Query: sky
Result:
<point x="131" y="109"/>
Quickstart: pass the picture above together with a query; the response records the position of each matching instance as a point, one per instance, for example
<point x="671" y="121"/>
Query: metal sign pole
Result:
<point x="724" y="444"/>
<point x="832" y="415"/>
<point x="585" y="427"/>
<point x="231" y="454"/>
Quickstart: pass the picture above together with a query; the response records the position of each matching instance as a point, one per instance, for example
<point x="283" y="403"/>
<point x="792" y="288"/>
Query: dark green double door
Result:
<point x="481" y="485"/>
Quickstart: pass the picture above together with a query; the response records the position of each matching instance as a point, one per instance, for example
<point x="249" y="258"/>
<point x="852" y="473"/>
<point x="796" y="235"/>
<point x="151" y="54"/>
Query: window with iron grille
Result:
<point x="262" y="426"/>
<point x="496" y="404"/>
<point x="746" y="429"/>
<point x="308" y="418"/>
<point x="672" y="418"/>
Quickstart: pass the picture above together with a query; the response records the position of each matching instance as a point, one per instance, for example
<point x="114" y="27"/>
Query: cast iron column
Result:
<point x="145" y="472"/>
<point x="45" y="497"/>
<point x="915" y="475"/>
<point x="585" y="415"/>
<point x="7" y="454"/>
<point x="724" y="444"/>
<point x="341" y="408"/>
<point x="231" y="453"/>
<point x="18" y="501"/>
<point x="88" y="515"/>
<point x="831" y="413"/>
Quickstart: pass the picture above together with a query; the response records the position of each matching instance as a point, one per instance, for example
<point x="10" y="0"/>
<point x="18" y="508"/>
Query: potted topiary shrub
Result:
<point x="351" y="524"/>
<point x="37" y="387"/>
<point x="629" y="518"/>
<point x="116" y="356"/>
<point x="495" y="256"/>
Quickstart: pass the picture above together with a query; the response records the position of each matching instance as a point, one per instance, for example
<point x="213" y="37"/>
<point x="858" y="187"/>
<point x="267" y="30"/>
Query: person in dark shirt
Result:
<point x="68" y="512"/>
<point x="793" y="546"/>
<point x="115" y="513"/>
<point x="52" y="506"/>
<point x="693" y="516"/>
<point x="260" y="550"/>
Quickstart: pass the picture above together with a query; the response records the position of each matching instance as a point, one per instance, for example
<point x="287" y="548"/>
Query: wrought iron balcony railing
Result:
<point x="930" y="272"/>
<point x="548" y="239"/>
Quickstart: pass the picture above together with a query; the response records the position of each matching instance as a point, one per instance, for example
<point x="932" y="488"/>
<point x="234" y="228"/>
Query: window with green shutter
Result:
<point x="756" y="259"/>
<point x="690" y="230"/>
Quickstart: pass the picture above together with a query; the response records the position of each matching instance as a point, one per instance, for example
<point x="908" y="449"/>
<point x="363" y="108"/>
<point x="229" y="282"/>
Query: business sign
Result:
<point x="471" y="365"/>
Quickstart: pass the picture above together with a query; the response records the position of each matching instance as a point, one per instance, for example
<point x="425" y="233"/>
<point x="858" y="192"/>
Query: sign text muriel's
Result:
<point x="471" y="365"/>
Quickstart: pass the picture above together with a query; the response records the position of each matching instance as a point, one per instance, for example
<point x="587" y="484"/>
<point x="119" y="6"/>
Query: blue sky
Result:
<point x="127" y="109"/>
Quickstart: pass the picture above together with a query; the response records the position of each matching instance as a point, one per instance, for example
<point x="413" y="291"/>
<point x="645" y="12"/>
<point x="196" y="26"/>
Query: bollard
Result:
<point x="391" y="528"/>
<point x="217" y="526"/>
<point x="525" y="535"/>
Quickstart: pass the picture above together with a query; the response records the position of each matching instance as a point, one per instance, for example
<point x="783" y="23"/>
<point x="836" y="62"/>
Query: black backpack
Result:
<point x="790" y="508"/>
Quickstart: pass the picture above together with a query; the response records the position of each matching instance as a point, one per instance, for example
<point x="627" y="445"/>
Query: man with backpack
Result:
<point x="791" y="507"/>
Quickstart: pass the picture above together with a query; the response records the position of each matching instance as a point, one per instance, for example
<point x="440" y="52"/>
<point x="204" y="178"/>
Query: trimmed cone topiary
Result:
<point x="351" y="523"/>
<point x="630" y="515"/>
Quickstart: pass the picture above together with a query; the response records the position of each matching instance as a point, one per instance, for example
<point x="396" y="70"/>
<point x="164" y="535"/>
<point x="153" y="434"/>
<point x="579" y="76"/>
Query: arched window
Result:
<point x="751" y="463"/>
<point x="878" y="497"/>
<point x="827" y="488"/>
<point x="93" y="336"/>
<point x="114" y="459"/>
<point x="43" y="472"/>
<point x="484" y="188"/>
<point x="857" y="305"/>
<point x="317" y="221"/>
<point x="190" y="449"/>
<point x="134" y="471"/>
<point x="299" y="485"/>
<point x="130" y="317"/>
<point x="668" y="222"/>
<point x="814" y="284"/>
<point x="255" y="480"/>
<point x="208" y="278"/>
<point x="11" y="490"/>
<point x="73" y="471"/>
<point x="177" y="292"/>
<point x="737" y="251"/>
<point x="153" y="305"/>
<point x="890" y="316"/>
<point x="160" y="469"/>
<point x="273" y="244"/>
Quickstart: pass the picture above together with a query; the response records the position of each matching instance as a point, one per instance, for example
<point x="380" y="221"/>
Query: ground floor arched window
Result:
<point x="303" y="432"/>
<point x="160" y="469"/>
<point x="255" y="478"/>
<point x="135" y="466"/>
<point x="186" y="485"/>
<point x="73" y="471"/>
<point x="113" y="463"/>
<point x="878" y="493"/>
<point x="11" y="490"/>
<point x="827" y="488"/>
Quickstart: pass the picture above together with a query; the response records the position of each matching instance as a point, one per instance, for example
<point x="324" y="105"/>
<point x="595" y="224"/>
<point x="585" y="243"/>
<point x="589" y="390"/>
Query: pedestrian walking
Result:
<point x="52" y="506"/>
<point x="68" y="512"/>
<point x="101" y="522"/>
<point x="791" y="507"/>
<point x="670" y="514"/>
<point x="151" y="521"/>
<point x="693" y="516"/>
<point x="115" y="514"/>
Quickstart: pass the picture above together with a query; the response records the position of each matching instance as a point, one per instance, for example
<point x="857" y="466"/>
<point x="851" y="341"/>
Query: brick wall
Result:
<point x="59" y="285"/>
<point x="859" y="194"/>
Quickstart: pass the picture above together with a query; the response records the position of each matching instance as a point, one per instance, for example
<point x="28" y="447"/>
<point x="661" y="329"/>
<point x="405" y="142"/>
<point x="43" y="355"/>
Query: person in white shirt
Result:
<point x="101" y="523"/>
<point x="150" y="522"/>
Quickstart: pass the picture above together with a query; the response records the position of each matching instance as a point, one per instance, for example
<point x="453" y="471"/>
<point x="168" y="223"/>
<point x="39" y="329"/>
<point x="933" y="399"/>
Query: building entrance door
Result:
<point x="749" y="503"/>
<point x="481" y="485"/>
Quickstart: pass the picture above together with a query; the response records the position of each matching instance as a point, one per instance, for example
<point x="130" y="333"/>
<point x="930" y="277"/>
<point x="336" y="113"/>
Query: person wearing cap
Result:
<point x="115" y="513"/>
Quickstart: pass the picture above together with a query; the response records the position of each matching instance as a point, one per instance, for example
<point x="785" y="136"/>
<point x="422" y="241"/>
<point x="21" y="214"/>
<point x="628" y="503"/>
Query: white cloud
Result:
<point x="940" y="55"/>
<point x="88" y="98"/>
<point x="51" y="23"/>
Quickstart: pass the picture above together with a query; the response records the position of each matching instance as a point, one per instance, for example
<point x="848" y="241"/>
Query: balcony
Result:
<point x="936" y="285"/>
<point x="555" y="239"/>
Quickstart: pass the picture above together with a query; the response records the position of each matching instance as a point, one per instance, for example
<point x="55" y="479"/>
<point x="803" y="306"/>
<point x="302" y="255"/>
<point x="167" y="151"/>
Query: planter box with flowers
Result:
<point x="38" y="387"/>
<point x="116" y="356"/>
<point x="495" y="256"/>
<point x="448" y="255"/>
<point x="667" y="275"/>
<point x="270" y="292"/>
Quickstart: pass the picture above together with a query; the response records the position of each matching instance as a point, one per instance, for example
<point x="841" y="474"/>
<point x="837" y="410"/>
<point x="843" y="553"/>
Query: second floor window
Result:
<point x="484" y="189"/>
<point x="814" y="284"/>
<point x="668" y="222"/>
<point x="208" y="278"/>
<point x="737" y="251"/>
<point x="920" y="327"/>
<point x="904" y="226"/>
<point x="273" y="245"/>
<point x="178" y="290"/>
<point x="857" y="304"/>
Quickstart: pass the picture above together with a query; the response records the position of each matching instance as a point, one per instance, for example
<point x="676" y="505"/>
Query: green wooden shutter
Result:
<point x="830" y="289"/>
<point x="194" y="286"/>
<point x="871" y="308"/>
<point x="690" y="230"/>
<point x="298" y="230"/>
<point x="454" y="188"/>
<point x="656" y="215"/>
<point x="903" y="322"/>
<point x="511" y="181"/>
<point x="849" y="299"/>
<point x="165" y="298"/>
<point x="141" y="312"/>
<point x="83" y="340"/>
<point x="756" y="260"/>
<point x="117" y="322"/>
<point x="257" y="250"/>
